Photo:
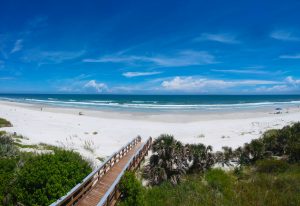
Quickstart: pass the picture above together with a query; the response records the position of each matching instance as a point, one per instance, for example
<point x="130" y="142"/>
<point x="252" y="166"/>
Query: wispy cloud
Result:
<point x="36" y="22"/>
<point x="284" y="35"/>
<point x="183" y="58"/>
<point x="51" y="57"/>
<point x="240" y="71"/>
<point x="1" y="64"/>
<point x="219" y="37"/>
<point x="191" y="83"/>
<point x="138" y="74"/>
<point x="17" y="46"/>
<point x="296" y="56"/>
<point x="7" y="78"/>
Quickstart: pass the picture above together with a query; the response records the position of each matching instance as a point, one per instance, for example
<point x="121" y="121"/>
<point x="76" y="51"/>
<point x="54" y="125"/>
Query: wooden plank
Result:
<point x="96" y="193"/>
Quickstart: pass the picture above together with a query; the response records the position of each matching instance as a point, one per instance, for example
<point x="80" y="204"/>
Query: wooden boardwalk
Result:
<point x="100" y="187"/>
<point x="94" y="196"/>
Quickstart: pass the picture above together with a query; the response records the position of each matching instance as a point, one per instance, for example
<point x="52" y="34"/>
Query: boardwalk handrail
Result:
<point x="111" y="192"/>
<point x="81" y="188"/>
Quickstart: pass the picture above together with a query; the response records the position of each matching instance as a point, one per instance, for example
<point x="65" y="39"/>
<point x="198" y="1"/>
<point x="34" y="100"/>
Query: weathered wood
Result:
<point x="112" y="195"/>
<point x="103" y="182"/>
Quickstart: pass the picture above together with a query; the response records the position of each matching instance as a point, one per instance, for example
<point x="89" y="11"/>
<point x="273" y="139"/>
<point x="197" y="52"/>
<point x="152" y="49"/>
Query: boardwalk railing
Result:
<point x="80" y="189"/>
<point x="113" y="194"/>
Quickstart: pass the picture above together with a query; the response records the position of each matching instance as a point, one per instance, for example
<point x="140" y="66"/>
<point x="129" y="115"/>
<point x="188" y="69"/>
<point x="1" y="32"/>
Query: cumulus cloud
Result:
<point x="220" y="37"/>
<point x="98" y="86"/>
<point x="292" y="81"/>
<point x="17" y="46"/>
<point x="138" y="74"/>
<point x="284" y="36"/>
<point x="183" y="58"/>
<point x="289" y="84"/>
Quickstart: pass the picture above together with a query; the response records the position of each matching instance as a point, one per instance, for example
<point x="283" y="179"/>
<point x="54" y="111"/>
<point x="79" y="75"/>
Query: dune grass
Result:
<point x="4" y="123"/>
<point x="217" y="187"/>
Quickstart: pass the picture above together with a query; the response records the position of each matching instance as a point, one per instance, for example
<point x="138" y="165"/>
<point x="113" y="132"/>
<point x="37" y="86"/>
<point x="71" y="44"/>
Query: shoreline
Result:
<point x="100" y="133"/>
<point x="182" y="116"/>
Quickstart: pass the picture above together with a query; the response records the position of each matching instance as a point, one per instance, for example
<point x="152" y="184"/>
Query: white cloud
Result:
<point x="138" y="74"/>
<point x="99" y="87"/>
<point x="183" y="58"/>
<point x="221" y="37"/>
<point x="292" y="81"/>
<point x="51" y="57"/>
<point x="198" y="84"/>
<point x="284" y="36"/>
<point x="276" y="89"/>
<point x="296" y="56"/>
<point x="7" y="78"/>
<point x="290" y="84"/>
<point x="239" y="71"/>
<point x="18" y="46"/>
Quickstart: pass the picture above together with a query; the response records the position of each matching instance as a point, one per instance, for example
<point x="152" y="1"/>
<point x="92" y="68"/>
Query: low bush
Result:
<point x="132" y="190"/>
<point x="47" y="177"/>
<point x="271" y="166"/>
<point x="32" y="179"/>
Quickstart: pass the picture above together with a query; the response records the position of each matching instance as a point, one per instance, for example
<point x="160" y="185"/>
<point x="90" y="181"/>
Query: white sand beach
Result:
<point x="99" y="134"/>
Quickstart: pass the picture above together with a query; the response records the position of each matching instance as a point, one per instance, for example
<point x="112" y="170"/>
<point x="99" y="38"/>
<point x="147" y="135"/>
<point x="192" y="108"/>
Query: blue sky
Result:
<point x="150" y="47"/>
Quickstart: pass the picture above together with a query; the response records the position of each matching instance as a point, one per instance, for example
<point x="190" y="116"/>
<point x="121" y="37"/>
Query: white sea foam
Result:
<point x="154" y="105"/>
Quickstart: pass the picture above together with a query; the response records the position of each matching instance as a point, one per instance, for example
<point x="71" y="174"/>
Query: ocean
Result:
<point x="158" y="103"/>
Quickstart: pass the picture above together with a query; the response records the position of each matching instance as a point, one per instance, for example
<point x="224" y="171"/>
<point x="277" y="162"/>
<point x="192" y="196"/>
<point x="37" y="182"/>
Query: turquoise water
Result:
<point x="160" y="103"/>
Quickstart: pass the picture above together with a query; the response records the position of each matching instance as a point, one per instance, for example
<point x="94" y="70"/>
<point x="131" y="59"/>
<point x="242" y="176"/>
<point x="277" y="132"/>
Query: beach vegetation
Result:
<point x="169" y="161"/>
<point x="101" y="159"/>
<point x="4" y="123"/>
<point x="280" y="143"/>
<point x="7" y="146"/>
<point x="89" y="146"/>
<point x="45" y="178"/>
<point x="271" y="166"/>
<point x="217" y="187"/>
<point x="28" y="178"/>
<point x="265" y="171"/>
<point x="132" y="192"/>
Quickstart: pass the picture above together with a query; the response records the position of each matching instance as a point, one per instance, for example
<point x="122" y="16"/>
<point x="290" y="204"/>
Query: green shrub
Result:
<point x="275" y="142"/>
<point x="7" y="173"/>
<point x="45" y="178"/>
<point x="271" y="166"/>
<point x="131" y="190"/>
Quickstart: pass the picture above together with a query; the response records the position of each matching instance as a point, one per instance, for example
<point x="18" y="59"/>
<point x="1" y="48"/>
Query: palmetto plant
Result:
<point x="202" y="157"/>
<point x="171" y="159"/>
<point x="168" y="162"/>
<point x="7" y="147"/>
<point x="226" y="157"/>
